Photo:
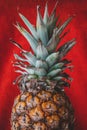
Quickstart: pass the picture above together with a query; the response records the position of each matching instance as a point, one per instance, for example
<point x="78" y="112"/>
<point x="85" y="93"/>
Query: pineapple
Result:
<point x="43" y="104"/>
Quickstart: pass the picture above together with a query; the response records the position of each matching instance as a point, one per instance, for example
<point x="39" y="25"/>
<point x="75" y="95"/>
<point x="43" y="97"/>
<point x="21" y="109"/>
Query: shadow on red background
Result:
<point x="78" y="29"/>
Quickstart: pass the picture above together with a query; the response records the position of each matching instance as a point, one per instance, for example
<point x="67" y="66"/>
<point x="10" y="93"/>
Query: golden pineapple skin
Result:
<point x="44" y="110"/>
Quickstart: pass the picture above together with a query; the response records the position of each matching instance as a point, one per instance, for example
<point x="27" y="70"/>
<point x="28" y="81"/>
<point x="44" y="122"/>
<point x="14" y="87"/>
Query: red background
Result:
<point x="78" y="29"/>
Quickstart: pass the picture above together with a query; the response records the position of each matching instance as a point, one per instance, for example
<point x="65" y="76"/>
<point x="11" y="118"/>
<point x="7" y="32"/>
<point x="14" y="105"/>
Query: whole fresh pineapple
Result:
<point x="43" y="104"/>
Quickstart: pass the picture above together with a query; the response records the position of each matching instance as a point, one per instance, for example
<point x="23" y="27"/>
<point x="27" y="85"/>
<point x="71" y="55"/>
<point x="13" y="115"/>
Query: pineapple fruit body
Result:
<point x="43" y="104"/>
<point x="42" y="109"/>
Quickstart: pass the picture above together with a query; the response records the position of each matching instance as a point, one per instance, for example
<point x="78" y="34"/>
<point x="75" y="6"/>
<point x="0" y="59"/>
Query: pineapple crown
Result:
<point x="46" y="61"/>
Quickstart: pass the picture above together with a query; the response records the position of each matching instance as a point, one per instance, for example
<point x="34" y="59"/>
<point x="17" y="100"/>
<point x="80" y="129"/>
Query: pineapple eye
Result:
<point x="40" y="126"/>
<point x="59" y="100"/>
<point x="24" y="120"/>
<point x="32" y="101"/>
<point x="44" y="95"/>
<point x="52" y="121"/>
<point x="24" y="96"/>
<point x="49" y="107"/>
<point x="21" y="107"/>
<point x="36" y="114"/>
<point x="15" y="125"/>
<point x="63" y="112"/>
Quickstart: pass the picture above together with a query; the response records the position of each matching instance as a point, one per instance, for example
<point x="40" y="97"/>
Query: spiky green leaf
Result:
<point x="63" y="83"/>
<point x="30" y="26"/>
<point x="57" y="66"/>
<point x="21" y="72"/>
<point x="64" y="49"/>
<point x="65" y="61"/>
<point x="41" y="64"/>
<point x="66" y="76"/>
<point x="32" y="76"/>
<point x="53" y="13"/>
<point x="62" y="27"/>
<point x="54" y="41"/>
<point x="46" y="14"/>
<point x="32" y="41"/>
<point x="41" y="51"/>
<point x="30" y="57"/>
<point x="58" y="78"/>
<point x="52" y="59"/>
<point x="54" y="72"/>
<point x="40" y="72"/>
<point x="41" y="28"/>
<point x="17" y="57"/>
<point x="33" y="70"/>
<point x="52" y="44"/>
<point x="52" y="21"/>
<point x="51" y="26"/>
<point x="17" y="44"/>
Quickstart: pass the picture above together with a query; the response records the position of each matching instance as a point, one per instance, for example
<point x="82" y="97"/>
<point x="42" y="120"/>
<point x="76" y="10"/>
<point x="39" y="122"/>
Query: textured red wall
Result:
<point x="78" y="29"/>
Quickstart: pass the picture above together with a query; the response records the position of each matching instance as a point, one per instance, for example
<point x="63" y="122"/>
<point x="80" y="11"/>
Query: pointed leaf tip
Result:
<point x="30" y="26"/>
<point x="32" y="41"/>
<point x="16" y="44"/>
<point x="41" y="28"/>
<point x="63" y="26"/>
<point x="20" y="14"/>
<point x="38" y="7"/>
<point x="39" y="17"/>
<point x="54" y="9"/>
<point x="46" y="14"/>
<point x="56" y="5"/>
<point x="64" y="49"/>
